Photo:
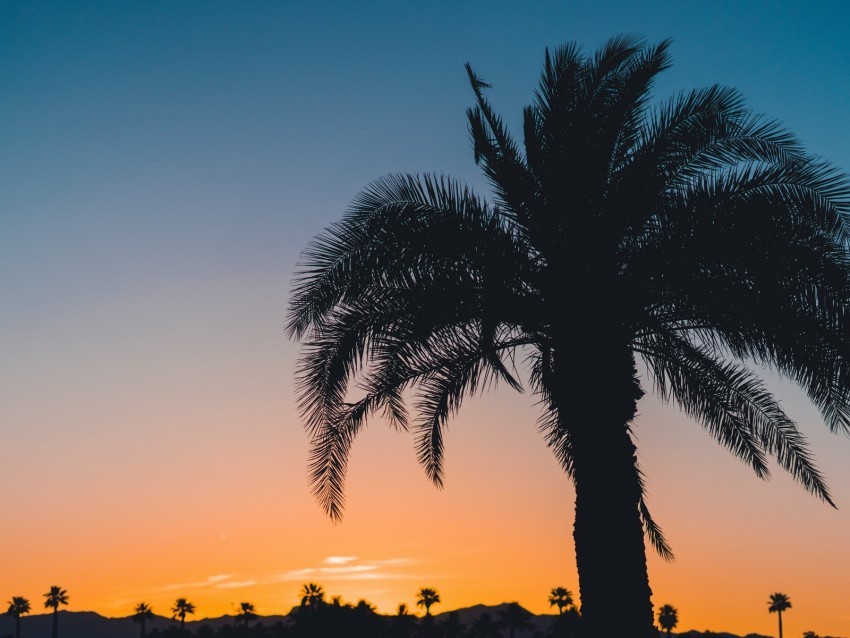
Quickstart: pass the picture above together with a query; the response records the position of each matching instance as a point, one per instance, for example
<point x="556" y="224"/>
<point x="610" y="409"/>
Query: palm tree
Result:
<point x="181" y="608"/>
<point x="513" y="617"/>
<point x="562" y="597"/>
<point x="246" y="614"/>
<point x="668" y="618"/>
<point x="452" y="626"/>
<point x="18" y="606"/>
<point x="141" y="614"/>
<point x="55" y="597"/>
<point x="312" y="595"/>
<point x="778" y="603"/>
<point x="694" y="236"/>
<point x="426" y="597"/>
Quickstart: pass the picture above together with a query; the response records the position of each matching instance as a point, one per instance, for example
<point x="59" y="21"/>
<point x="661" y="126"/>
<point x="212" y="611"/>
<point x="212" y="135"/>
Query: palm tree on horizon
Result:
<point x="141" y="614"/>
<point x="778" y="603"/>
<point x="668" y="618"/>
<point x="246" y="614"/>
<point x="18" y="606"/>
<point x="426" y="597"/>
<point x="181" y="608"/>
<point x="55" y="597"/>
<point x="312" y="595"/>
<point x="694" y="236"/>
<point x="514" y="617"/>
<point x="562" y="597"/>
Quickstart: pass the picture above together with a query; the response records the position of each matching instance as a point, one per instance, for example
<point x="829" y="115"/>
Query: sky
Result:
<point x="163" y="164"/>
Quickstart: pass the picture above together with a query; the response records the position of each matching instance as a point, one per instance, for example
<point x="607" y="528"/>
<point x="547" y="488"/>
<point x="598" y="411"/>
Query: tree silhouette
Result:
<point x="312" y="595"/>
<point x="181" y="608"/>
<point x="403" y="623"/>
<point x="562" y="597"/>
<point x="141" y="614"/>
<point x="18" y="606"/>
<point x="55" y="597"/>
<point x="246" y="614"/>
<point x="668" y="618"/>
<point x="513" y="617"/>
<point x="426" y="597"/>
<point x="778" y="603"/>
<point x="695" y="236"/>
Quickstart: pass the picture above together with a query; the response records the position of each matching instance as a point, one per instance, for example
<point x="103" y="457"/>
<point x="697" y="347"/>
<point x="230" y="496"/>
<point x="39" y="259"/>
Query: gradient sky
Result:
<point x="161" y="166"/>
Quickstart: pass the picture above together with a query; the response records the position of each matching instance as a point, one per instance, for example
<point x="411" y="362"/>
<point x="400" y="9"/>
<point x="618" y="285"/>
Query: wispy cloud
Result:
<point x="336" y="568"/>
<point x="339" y="560"/>
<point x="235" y="584"/>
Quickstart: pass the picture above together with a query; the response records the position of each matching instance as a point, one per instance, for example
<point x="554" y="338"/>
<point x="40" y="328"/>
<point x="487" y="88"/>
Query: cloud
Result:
<point x="218" y="578"/>
<point x="236" y="583"/>
<point x="339" y="560"/>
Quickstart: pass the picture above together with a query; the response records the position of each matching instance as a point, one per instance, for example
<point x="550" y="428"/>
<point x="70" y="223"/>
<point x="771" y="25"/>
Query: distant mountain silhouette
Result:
<point x="88" y="624"/>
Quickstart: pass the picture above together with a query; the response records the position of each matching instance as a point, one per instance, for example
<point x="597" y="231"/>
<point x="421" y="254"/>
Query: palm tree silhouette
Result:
<point x="426" y="597"/>
<point x="778" y="603"/>
<point x="312" y="595"/>
<point x="695" y="236"/>
<point x="668" y="618"/>
<point x="55" y="597"/>
<point x="246" y="614"/>
<point x="562" y="597"/>
<point x="181" y="608"/>
<point x="452" y="626"/>
<point x="141" y="614"/>
<point x="18" y="606"/>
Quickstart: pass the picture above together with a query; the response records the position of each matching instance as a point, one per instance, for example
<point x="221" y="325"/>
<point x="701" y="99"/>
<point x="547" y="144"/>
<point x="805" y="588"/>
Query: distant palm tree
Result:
<point x="779" y="603"/>
<point x="668" y="618"/>
<point x="514" y="617"/>
<point x="181" y="608"/>
<point x="426" y="597"/>
<point x="686" y="239"/>
<point x="141" y="614"/>
<point x="18" y="606"/>
<point x="312" y="595"/>
<point x="562" y="597"/>
<point x="55" y="597"/>
<point x="246" y="614"/>
<point x="485" y="627"/>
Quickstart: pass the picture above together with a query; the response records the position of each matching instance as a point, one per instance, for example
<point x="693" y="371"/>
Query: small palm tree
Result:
<point x="18" y="606"/>
<point x="668" y="618"/>
<point x="181" y="608"/>
<point x="246" y="614"/>
<point x="779" y="603"/>
<point x="141" y="614"/>
<point x="312" y="595"/>
<point x="55" y="597"/>
<point x="426" y="597"/>
<point x="562" y="597"/>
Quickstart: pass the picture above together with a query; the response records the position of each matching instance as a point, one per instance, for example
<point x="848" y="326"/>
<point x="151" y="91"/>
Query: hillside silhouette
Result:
<point x="87" y="624"/>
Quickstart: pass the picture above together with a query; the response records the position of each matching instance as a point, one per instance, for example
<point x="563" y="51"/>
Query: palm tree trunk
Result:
<point x="142" y="623"/>
<point x="608" y="531"/>
<point x="18" y="626"/>
<point x="55" y="632"/>
<point x="780" y="623"/>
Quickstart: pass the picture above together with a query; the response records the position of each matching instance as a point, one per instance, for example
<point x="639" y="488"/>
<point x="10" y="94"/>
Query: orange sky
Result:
<point x="164" y="163"/>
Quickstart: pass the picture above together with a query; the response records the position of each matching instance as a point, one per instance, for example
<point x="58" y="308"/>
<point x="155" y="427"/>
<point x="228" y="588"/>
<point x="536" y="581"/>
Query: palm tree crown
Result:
<point x="693" y="236"/>
<point x="312" y="595"/>
<point x="668" y="618"/>
<point x="246" y="613"/>
<point x="560" y="597"/>
<point x="426" y="597"/>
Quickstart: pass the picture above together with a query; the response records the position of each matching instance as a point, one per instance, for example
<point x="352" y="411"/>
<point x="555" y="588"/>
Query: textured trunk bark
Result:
<point x="608" y="531"/>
